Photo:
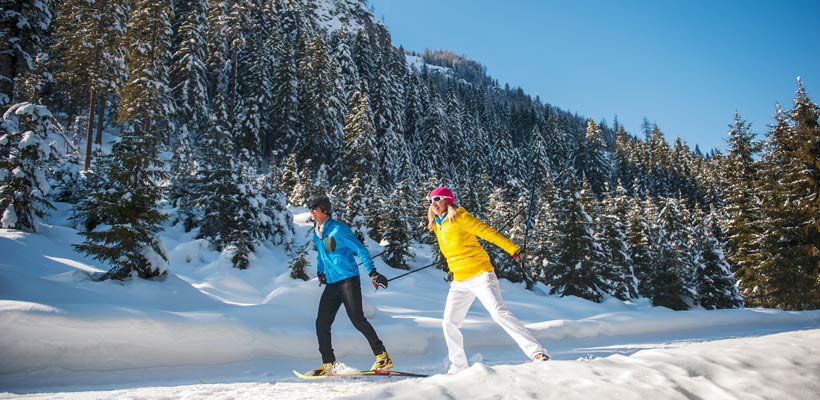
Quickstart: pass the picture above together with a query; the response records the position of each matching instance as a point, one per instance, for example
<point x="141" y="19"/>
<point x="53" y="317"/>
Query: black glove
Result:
<point x="449" y="277"/>
<point x="378" y="279"/>
<point x="322" y="279"/>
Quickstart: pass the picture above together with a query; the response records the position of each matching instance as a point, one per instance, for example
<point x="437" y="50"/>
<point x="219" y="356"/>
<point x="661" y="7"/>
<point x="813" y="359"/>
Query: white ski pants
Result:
<point x="460" y="297"/>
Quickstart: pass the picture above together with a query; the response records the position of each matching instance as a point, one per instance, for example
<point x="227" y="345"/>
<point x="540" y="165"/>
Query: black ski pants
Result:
<point x="349" y="293"/>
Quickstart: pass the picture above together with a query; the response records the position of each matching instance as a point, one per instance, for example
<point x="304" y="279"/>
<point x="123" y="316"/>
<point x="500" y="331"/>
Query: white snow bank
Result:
<point x="782" y="366"/>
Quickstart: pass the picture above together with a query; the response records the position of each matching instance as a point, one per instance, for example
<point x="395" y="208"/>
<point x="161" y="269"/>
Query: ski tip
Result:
<point x="303" y="376"/>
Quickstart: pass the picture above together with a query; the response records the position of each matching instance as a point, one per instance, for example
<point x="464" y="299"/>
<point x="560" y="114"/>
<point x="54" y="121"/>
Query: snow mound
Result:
<point x="779" y="366"/>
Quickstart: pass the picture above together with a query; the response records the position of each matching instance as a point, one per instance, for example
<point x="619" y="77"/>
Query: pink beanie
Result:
<point x="443" y="192"/>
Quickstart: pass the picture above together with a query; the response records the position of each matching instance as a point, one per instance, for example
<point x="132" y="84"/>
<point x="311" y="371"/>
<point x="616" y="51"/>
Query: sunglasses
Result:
<point x="438" y="198"/>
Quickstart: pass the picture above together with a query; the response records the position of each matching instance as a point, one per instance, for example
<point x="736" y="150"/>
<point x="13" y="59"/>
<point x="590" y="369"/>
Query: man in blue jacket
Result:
<point x="337" y="270"/>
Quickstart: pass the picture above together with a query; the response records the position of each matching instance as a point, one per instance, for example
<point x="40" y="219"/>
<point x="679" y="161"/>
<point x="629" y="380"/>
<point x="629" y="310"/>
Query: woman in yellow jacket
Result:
<point x="473" y="276"/>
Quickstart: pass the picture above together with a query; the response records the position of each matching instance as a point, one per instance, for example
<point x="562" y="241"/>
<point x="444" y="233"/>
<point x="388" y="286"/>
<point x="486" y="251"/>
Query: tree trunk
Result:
<point x="100" y="122"/>
<point x="90" y="131"/>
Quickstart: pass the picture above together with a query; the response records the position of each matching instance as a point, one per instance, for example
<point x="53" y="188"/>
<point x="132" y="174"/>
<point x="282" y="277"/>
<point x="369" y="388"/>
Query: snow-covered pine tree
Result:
<point x="502" y="159"/>
<point x="146" y="99"/>
<point x="659" y="159"/>
<point x="363" y="57"/>
<point x="672" y="277"/>
<point x="434" y="139"/>
<point x="396" y="229"/>
<point x="358" y="156"/>
<point x="516" y="226"/>
<point x="714" y="282"/>
<point x="389" y="120"/>
<point x="622" y="160"/>
<point x="234" y="216"/>
<point x="188" y="76"/>
<point x="542" y="247"/>
<point x="285" y="123"/>
<point x="319" y="132"/>
<point x="302" y="188"/>
<point x="299" y="262"/>
<point x="499" y="204"/>
<point x="183" y="177"/>
<point x="24" y="25"/>
<point x="359" y="152"/>
<point x="618" y="273"/>
<point x="591" y="159"/>
<point x="577" y="270"/>
<point x="681" y="171"/>
<point x="128" y="207"/>
<point x="27" y="157"/>
<point x="640" y="236"/>
<point x="346" y="72"/>
<point x="413" y="112"/>
<point x="741" y="200"/>
<point x="281" y="231"/>
<point x="787" y="276"/>
<point x="124" y="207"/>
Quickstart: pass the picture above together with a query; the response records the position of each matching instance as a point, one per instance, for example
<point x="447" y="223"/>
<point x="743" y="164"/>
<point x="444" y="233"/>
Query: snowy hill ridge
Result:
<point x="58" y="322"/>
<point x="330" y="15"/>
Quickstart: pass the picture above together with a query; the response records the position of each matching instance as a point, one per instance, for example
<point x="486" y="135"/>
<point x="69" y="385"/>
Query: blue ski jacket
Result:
<point x="339" y="264"/>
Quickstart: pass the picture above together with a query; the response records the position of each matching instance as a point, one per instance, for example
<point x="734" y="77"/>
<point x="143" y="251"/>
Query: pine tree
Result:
<point x="714" y="281"/>
<point x="396" y="229"/>
<point x="188" y="76"/>
<point x="543" y="248"/>
<point x="363" y="57"/>
<point x="359" y="152"/>
<point x="298" y="263"/>
<point x="658" y="163"/>
<point x="346" y="71"/>
<point x="618" y="273"/>
<point x="501" y="208"/>
<point x="285" y="125"/>
<point x="674" y="270"/>
<point x="591" y="159"/>
<point x="23" y="28"/>
<point x="577" y="271"/>
<point x="624" y="162"/>
<point x="27" y="158"/>
<point x="787" y="276"/>
<point x="233" y="215"/>
<point x="183" y="173"/>
<point x="281" y="230"/>
<point x="129" y="205"/>
<point x="640" y="237"/>
<point x="146" y="99"/>
<point x="741" y="199"/>
<point x="319" y="136"/>
<point x="434" y="138"/>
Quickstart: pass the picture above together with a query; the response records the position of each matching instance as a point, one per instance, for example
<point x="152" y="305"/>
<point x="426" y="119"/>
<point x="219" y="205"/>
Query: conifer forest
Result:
<point x="222" y="114"/>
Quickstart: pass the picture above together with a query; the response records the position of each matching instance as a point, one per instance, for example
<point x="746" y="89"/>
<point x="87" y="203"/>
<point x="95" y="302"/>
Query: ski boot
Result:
<point x="325" y="369"/>
<point x="383" y="362"/>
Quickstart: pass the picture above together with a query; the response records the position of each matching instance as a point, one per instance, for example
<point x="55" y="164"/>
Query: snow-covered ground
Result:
<point x="211" y="331"/>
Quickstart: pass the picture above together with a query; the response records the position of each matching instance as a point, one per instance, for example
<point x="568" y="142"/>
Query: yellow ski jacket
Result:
<point x="457" y="241"/>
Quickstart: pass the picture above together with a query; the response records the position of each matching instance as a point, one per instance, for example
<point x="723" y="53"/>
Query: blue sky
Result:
<point x="686" y="65"/>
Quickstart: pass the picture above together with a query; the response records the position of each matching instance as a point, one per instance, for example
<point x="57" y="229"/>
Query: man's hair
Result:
<point x="322" y="202"/>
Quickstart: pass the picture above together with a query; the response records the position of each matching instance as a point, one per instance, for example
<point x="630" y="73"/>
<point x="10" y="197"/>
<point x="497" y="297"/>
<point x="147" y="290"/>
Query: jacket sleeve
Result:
<point x="472" y="225"/>
<point x="320" y="265"/>
<point x="345" y="237"/>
